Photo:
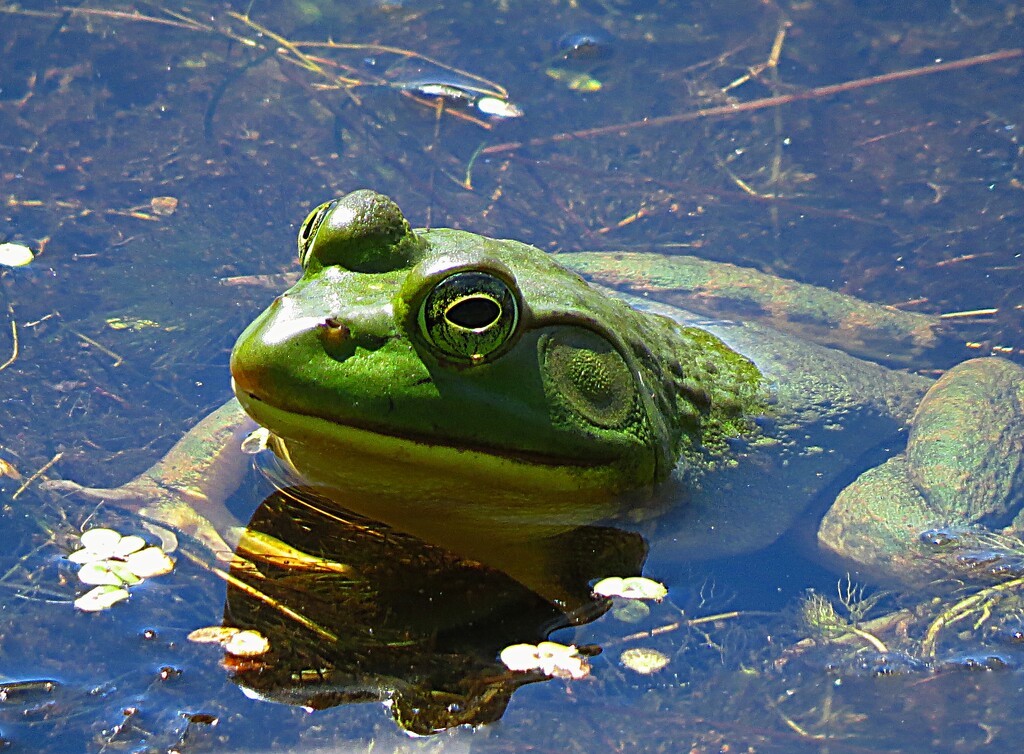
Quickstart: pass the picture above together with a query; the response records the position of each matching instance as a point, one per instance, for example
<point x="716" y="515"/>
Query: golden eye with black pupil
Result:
<point x="469" y="316"/>
<point x="309" y="228"/>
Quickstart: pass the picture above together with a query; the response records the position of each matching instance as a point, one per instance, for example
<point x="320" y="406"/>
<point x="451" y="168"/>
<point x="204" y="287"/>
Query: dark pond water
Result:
<point x="160" y="160"/>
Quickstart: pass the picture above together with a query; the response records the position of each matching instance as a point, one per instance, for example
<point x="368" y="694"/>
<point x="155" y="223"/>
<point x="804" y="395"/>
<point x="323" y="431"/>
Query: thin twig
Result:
<point x="14" y="341"/>
<point x="819" y="92"/>
<point x="960" y="610"/>
<point x="46" y="467"/>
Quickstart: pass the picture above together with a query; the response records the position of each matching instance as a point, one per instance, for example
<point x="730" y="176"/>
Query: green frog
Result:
<point x="470" y="391"/>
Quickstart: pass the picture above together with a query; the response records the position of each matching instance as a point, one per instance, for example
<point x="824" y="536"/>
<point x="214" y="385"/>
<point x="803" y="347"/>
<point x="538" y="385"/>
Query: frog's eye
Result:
<point x="469" y="316"/>
<point x="309" y="228"/>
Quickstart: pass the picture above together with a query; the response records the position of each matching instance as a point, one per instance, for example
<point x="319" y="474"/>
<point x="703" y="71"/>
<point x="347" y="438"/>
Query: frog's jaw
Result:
<point x="412" y="477"/>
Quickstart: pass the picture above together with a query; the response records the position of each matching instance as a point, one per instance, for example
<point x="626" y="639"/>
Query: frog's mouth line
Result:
<point x="350" y="445"/>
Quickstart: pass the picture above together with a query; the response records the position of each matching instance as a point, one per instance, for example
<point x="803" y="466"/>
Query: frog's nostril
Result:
<point x="336" y="337"/>
<point x="335" y="330"/>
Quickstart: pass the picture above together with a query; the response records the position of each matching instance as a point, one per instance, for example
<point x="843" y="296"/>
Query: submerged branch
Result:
<point x="818" y="92"/>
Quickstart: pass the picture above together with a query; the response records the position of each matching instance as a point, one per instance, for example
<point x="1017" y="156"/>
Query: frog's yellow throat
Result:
<point x="400" y="479"/>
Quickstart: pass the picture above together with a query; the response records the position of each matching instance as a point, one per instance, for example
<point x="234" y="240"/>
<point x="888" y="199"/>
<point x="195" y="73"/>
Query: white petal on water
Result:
<point x="101" y="598"/>
<point x="520" y="657"/>
<point x="562" y="661"/>
<point x="97" y="574"/>
<point x="247" y="644"/>
<point x="127" y="545"/>
<point x="120" y="569"/>
<point x="149" y="563"/>
<point x="236" y="641"/>
<point x="550" y="658"/>
<point x="640" y="588"/>
<point x="609" y="587"/>
<point x="571" y="668"/>
<point x="632" y="588"/>
<point x="100" y="540"/>
<point x="85" y="555"/>
<point x="500" y="108"/>
<point x="15" y="255"/>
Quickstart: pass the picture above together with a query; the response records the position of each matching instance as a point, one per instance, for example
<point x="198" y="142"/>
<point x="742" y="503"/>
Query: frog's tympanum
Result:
<point x="481" y="396"/>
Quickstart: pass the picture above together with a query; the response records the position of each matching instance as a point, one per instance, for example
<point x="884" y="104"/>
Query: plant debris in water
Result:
<point x="235" y="641"/>
<point x="631" y="588"/>
<point x="112" y="562"/>
<point x="15" y="255"/>
<point x="549" y="657"/>
<point x="644" y="660"/>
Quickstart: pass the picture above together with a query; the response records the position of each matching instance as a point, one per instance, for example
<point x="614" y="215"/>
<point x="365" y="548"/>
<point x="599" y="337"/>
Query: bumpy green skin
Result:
<point x="571" y="378"/>
<point x="725" y="290"/>
<point x="578" y="391"/>
<point x="966" y="449"/>
<point x="963" y="467"/>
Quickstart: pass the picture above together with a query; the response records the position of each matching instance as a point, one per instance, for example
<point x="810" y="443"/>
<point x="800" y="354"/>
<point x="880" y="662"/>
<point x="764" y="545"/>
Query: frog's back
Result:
<point x="826" y="411"/>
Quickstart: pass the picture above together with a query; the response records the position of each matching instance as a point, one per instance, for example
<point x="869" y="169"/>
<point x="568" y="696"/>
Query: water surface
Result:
<point x="905" y="193"/>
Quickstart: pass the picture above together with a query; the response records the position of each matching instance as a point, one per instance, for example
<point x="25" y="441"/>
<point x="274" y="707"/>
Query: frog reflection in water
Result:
<point x="483" y="392"/>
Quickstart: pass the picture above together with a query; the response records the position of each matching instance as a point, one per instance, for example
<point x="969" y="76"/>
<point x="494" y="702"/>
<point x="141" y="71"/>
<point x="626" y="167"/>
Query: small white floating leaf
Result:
<point x="632" y="588"/>
<point x="520" y="657"/>
<point x="98" y="573"/>
<point x="101" y="598"/>
<point x="100" y="540"/>
<point x="550" y="658"/>
<point x="562" y="661"/>
<point x="499" y="108"/>
<point x="120" y="569"/>
<point x="609" y="587"/>
<point x="235" y="641"/>
<point x="149" y="562"/>
<point x="127" y="545"/>
<point x="247" y="644"/>
<point x="15" y="255"/>
<point x="643" y="660"/>
<point x="85" y="555"/>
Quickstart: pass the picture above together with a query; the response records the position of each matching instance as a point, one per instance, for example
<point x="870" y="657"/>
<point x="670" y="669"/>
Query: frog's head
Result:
<point x="442" y="360"/>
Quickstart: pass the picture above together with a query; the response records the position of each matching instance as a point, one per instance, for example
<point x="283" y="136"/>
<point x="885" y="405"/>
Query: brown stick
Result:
<point x="818" y="92"/>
